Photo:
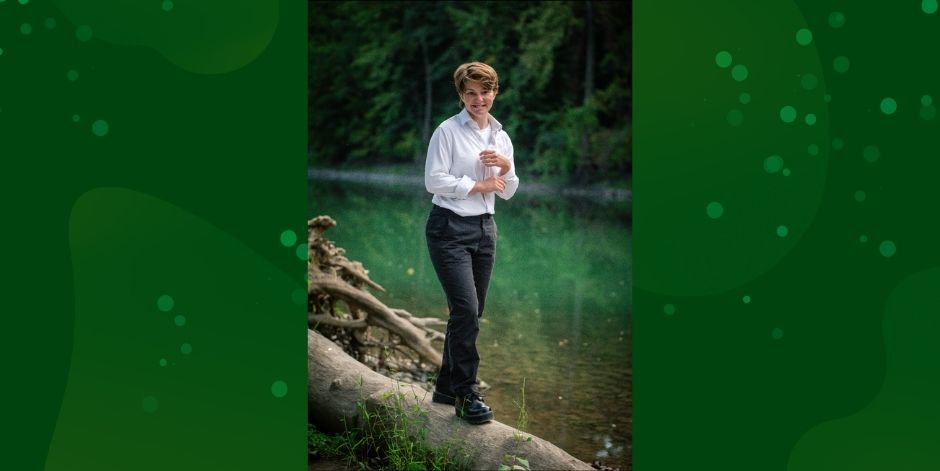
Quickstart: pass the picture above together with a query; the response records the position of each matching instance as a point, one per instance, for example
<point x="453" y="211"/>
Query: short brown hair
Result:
<point x="475" y="72"/>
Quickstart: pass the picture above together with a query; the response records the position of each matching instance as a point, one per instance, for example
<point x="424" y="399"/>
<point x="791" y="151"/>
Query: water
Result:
<point x="557" y="313"/>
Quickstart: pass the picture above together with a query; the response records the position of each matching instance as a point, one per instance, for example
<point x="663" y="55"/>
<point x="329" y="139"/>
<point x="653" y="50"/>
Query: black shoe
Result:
<point x="472" y="409"/>
<point x="442" y="398"/>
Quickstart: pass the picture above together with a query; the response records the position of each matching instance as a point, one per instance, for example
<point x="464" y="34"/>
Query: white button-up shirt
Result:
<point x="453" y="164"/>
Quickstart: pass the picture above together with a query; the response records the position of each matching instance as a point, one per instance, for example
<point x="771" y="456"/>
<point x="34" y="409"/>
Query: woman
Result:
<point x="469" y="161"/>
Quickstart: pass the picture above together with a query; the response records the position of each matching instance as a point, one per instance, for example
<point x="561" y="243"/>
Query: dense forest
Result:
<point x="381" y="80"/>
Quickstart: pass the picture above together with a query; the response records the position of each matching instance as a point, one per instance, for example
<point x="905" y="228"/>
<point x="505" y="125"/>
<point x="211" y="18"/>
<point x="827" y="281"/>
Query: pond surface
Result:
<point x="557" y="313"/>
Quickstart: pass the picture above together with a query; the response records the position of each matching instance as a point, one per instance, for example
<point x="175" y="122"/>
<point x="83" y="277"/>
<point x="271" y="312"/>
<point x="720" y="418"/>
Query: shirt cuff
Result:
<point x="463" y="187"/>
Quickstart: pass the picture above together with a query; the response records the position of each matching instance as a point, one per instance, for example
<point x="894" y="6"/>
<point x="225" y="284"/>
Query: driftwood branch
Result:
<point x="419" y="321"/>
<point x="356" y="270"/>
<point x="326" y="319"/>
<point x="335" y="279"/>
<point x="380" y="315"/>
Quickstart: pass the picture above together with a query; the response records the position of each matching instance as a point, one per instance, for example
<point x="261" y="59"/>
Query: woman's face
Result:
<point x="477" y="101"/>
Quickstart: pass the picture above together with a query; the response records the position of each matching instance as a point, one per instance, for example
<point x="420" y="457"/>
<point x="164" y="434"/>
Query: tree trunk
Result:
<point x="337" y="383"/>
<point x="584" y="161"/>
<point x="428" y="98"/>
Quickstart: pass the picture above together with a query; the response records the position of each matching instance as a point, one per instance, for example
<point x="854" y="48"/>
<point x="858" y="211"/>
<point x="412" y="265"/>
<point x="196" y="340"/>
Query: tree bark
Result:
<point x="337" y="383"/>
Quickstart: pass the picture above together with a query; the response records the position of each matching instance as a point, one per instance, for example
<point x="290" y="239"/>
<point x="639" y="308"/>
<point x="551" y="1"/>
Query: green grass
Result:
<point x="515" y="462"/>
<point x="522" y="423"/>
<point x="325" y="445"/>
<point x="392" y="438"/>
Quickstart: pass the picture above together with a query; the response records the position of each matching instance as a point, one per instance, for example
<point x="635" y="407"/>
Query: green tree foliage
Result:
<point x="380" y="77"/>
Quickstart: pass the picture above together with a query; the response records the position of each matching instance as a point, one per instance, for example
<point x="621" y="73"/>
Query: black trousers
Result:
<point x="463" y="250"/>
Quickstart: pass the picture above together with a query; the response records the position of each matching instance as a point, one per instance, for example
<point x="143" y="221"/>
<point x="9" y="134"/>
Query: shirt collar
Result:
<point x="464" y="118"/>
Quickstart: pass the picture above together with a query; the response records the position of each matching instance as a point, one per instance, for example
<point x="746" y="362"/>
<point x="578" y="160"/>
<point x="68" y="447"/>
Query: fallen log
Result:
<point x="337" y="383"/>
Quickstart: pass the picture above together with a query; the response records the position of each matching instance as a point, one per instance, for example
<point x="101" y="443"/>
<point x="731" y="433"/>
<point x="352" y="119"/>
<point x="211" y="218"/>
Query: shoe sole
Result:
<point x="442" y="398"/>
<point x="477" y="419"/>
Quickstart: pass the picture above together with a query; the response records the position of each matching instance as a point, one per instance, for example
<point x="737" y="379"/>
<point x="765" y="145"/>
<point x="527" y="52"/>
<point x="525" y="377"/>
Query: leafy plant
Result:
<point x="519" y="464"/>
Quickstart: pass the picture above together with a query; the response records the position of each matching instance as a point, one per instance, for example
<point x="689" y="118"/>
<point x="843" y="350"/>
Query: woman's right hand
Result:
<point x="491" y="184"/>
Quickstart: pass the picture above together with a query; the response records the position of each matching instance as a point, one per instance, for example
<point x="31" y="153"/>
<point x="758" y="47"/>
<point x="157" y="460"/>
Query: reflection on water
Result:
<point x="557" y="313"/>
<point x="608" y="449"/>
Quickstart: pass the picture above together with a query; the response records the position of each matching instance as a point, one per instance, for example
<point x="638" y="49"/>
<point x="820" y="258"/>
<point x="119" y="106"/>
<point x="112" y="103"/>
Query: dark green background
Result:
<point x="187" y="195"/>
<point x="831" y="365"/>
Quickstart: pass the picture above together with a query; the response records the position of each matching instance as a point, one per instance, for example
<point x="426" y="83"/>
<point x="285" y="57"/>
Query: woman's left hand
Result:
<point x="491" y="158"/>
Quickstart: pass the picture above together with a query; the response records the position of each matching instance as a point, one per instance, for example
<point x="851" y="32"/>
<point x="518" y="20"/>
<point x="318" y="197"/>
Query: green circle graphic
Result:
<point x="804" y="37"/>
<point x="83" y="33"/>
<point x="288" y="238"/>
<point x="841" y="64"/>
<point x="888" y="105"/>
<point x="928" y="113"/>
<point x="165" y="303"/>
<point x="809" y="81"/>
<point x="723" y="59"/>
<point x="100" y="128"/>
<point x="837" y="19"/>
<point x="714" y="210"/>
<point x="929" y="6"/>
<point x="279" y="389"/>
<point x="887" y="248"/>
<point x="773" y="164"/>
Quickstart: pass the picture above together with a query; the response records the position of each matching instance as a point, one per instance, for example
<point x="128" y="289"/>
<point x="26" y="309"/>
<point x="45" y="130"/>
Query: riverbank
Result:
<point x="408" y="176"/>
<point x="560" y="305"/>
